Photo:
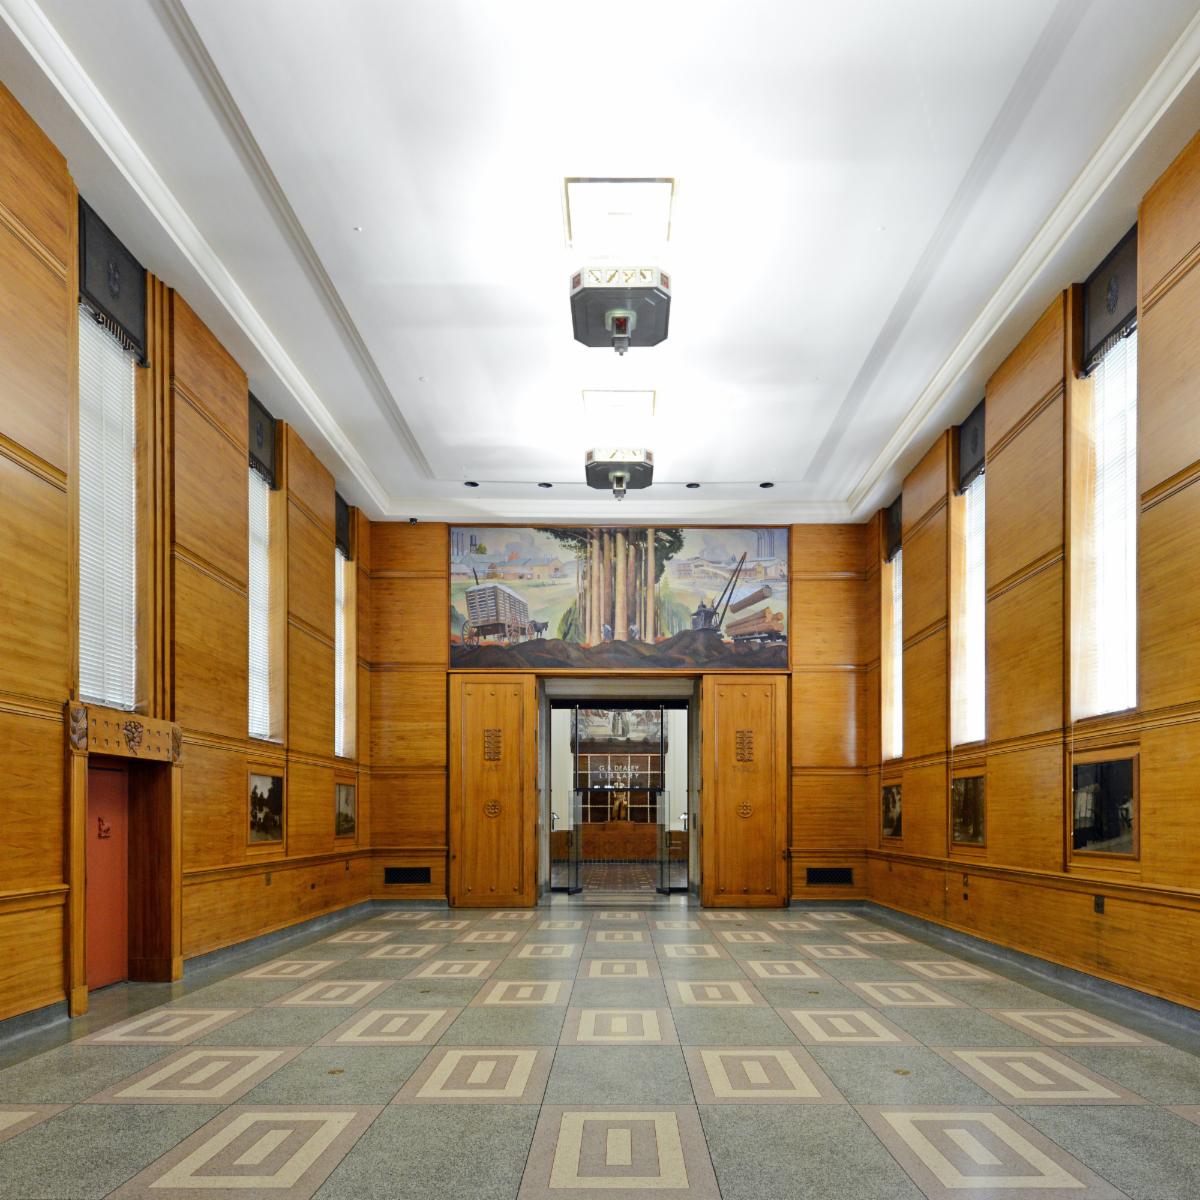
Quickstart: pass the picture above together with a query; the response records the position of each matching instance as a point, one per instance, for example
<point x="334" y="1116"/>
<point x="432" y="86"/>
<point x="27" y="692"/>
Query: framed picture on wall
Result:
<point x="968" y="814"/>
<point x="265" y="823"/>
<point x="345" y="809"/>
<point x="892" y="808"/>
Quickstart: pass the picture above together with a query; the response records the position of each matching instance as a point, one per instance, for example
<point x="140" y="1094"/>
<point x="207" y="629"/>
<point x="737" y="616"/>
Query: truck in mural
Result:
<point x="625" y="597"/>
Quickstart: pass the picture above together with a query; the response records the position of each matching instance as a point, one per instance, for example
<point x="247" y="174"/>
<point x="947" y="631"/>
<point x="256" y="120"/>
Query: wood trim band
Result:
<point x="29" y="240"/>
<point x="1171" y="487"/>
<point x="1031" y="415"/>
<point x="181" y="390"/>
<point x="1025" y="573"/>
<point x="1171" y="278"/>
<point x="180" y="551"/>
<point x="47" y="472"/>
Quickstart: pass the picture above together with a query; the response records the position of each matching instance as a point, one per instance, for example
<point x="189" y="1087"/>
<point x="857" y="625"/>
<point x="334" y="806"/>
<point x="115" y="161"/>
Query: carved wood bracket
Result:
<point x="94" y="729"/>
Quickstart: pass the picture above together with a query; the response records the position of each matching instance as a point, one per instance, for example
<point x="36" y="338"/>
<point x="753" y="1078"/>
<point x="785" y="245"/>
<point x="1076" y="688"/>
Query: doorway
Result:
<point x="107" y="874"/>
<point x="619" y="795"/>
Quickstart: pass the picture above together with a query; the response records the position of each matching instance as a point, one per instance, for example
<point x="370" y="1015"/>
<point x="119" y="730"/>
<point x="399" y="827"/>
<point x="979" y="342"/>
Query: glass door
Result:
<point x="566" y="828"/>
<point x="672" y="820"/>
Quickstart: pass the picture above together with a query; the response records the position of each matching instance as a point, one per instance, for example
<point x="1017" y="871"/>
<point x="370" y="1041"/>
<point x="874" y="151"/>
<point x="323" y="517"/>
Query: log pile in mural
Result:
<point x="618" y="598"/>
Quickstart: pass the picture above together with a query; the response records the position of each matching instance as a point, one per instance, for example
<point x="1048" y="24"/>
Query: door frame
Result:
<point x="153" y="749"/>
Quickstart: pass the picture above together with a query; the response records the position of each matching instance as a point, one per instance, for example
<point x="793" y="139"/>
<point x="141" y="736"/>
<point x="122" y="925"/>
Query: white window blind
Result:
<point x="107" y="519"/>
<point x="974" y="677"/>
<point x="893" y="723"/>
<point x="260" y="606"/>
<point x="1112" y="663"/>
<point x="340" y="734"/>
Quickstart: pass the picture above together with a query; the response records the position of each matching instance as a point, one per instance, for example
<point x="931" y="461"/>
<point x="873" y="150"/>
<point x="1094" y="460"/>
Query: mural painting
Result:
<point x="619" y="598"/>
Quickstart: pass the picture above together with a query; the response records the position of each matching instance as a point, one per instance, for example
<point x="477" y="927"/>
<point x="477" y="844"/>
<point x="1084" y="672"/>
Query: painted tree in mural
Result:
<point x="622" y="593"/>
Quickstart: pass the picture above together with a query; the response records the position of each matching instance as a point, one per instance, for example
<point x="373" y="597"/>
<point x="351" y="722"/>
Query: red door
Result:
<point x="107" y="876"/>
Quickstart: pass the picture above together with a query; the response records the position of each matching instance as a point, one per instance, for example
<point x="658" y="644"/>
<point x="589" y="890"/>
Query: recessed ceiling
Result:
<point x="868" y="205"/>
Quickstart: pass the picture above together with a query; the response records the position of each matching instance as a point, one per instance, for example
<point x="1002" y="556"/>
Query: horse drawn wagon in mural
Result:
<point x="494" y="610"/>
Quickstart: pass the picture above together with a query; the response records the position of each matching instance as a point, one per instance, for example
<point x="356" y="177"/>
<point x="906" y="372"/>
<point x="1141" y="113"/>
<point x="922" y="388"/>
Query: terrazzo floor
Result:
<point x="576" y="1051"/>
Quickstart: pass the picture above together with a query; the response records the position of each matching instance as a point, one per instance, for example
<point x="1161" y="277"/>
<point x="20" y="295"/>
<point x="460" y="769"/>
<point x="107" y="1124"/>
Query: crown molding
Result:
<point x="209" y="80"/>
<point x="1139" y="119"/>
<point x="55" y="59"/>
<point x="604" y="510"/>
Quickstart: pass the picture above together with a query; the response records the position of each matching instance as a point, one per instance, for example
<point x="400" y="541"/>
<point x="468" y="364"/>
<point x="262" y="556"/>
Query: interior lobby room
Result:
<point x="600" y="602"/>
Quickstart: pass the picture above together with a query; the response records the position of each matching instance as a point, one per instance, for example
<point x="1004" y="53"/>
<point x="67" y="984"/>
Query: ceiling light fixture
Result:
<point x="691" y="485"/>
<point x="766" y="485"/>
<point x="545" y="485"/>
<point x="619" y="470"/>
<point x="610" y="305"/>
<point x="470" y="483"/>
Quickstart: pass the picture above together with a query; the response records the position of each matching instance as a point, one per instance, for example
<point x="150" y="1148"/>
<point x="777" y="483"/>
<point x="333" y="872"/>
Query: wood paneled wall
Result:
<point x="409" y="658"/>
<point x="1024" y="888"/>
<point x="38" y="338"/>
<point x="231" y="890"/>
<point x="834" y="578"/>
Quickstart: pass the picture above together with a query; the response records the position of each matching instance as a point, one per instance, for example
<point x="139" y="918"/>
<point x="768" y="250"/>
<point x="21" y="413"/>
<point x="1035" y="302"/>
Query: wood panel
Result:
<point x="310" y="808"/>
<point x="408" y="718"/>
<point x="411" y="621"/>
<point x="214" y="806"/>
<point x="31" y="948"/>
<point x="155" y="872"/>
<point x="309" y="482"/>
<point x="1025" y="497"/>
<point x="925" y="565"/>
<point x="421" y="548"/>
<point x="1169" y="219"/>
<point x="35" y="187"/>
<point x="223" y="908"/>
<point x="210" y="489"/>
<point x="409" y="808"/>
<point x="827" y="716"/>
<point x="744" y="805"/>
<point x="926" y="696"/>
<point x="925" y="799"/>
<point x="926" y="485"/>
<point x="828" y="810"/>
<point x="209" y="374"/>
<point x="310" y="693"/>
<point x="211" y="631"/>
<point x="825" y="625"/>
<point x="31" y="750"/>
<point x="493" y="791"/>
<point x="1024" y="808"/>
<point x="1167" y="804"/>
<point x="827" y="550"/>
<point x="1032" y="371"/>
<point x="1168" y="601"/>
<point x="310" y="572"/>
<point x="1024" y="657"/>
<point x="35" y="630"/>
<point x="37" y="340"/>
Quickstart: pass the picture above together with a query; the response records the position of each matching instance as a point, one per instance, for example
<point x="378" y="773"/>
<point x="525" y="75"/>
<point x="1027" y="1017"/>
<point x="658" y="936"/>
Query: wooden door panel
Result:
<point x="107" y="876"/>
<point x="493" y="802"/>
<point x="744" y="798"/>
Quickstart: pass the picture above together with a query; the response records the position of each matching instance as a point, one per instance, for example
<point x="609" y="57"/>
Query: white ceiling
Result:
<point x="872" y="200"/>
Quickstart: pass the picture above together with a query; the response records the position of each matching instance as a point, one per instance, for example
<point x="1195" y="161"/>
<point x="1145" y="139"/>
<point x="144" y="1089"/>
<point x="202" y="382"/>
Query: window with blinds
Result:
<point x="107" y="518"/>
<point x="1108" y="681"/>
<point x="260" y="605"/>
<point x="973" y="680"/>
<point x="344" y="655"/>
<point x="893" y="657"/>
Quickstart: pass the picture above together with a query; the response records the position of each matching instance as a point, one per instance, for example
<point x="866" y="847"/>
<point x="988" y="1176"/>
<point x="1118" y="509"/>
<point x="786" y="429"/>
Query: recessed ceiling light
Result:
<point x="470" y="483"/>
<point x="766" y="485"/>
<point x="613" y="216"/>
<point x="358" y="229"/>
<point x="691" y="485"/>
<point x="545" y="485"/>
